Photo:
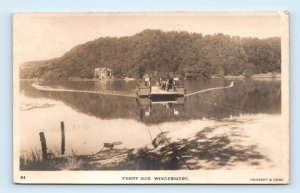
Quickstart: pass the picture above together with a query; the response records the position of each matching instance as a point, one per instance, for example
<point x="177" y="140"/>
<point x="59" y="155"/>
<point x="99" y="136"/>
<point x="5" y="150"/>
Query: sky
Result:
<point x="40" y="36"/>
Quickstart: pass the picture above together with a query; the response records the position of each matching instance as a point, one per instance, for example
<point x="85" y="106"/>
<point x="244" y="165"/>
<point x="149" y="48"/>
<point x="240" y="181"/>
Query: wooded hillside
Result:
<point x="158" y="53"/>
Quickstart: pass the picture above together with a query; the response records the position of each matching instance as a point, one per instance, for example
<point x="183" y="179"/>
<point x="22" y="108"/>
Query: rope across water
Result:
<point x="46" y="88"/>
<point x="210" y="89"/>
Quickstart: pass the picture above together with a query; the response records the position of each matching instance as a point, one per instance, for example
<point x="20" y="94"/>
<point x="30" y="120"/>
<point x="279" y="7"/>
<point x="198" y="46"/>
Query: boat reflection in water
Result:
<point x="95" y="120"/>
<point x="166" y="105"/>
<point x="246" y="97"/>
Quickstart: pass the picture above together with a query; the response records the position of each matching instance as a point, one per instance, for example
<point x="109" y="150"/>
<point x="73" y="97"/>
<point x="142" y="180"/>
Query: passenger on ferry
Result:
<point x="169" y="84"/>
<point x="163" y="85"/>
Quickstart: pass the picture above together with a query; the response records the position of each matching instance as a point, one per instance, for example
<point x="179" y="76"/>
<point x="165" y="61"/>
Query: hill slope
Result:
<point x="157" y="53"/>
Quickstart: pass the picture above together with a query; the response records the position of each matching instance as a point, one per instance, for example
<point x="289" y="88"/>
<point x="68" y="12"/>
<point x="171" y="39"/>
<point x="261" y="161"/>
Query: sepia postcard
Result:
<point x="151" y="98"/>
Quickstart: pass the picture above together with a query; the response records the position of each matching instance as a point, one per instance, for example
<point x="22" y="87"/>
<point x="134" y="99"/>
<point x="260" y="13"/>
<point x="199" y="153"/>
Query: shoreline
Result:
<point x="227" y="77"/>
<point x="260" y="76"/>
<point x="276" y="76"/>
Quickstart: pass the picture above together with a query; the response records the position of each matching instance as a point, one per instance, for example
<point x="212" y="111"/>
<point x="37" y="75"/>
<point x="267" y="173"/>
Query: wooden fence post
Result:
<point x="44" y="145"/>
<point x="62" y="126"/>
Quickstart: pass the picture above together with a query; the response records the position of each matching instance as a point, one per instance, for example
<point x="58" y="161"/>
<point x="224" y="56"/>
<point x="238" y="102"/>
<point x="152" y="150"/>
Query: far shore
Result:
<point x="269" y="75"/>
<point x="256" y="76"/>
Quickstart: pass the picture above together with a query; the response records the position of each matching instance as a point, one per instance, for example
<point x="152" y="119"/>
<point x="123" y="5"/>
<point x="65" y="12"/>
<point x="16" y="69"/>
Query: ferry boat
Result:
<point x="172" y="90"/>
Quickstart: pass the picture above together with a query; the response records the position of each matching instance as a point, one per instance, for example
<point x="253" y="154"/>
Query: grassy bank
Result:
<point x="223" y="145"/>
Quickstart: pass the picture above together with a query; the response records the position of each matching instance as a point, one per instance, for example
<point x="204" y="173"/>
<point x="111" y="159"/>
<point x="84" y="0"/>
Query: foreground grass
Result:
<point x="206" y="149"/>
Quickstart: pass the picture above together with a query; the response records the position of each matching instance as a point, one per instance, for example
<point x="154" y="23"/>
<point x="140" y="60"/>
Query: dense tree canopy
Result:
<point x="158" y="53"/>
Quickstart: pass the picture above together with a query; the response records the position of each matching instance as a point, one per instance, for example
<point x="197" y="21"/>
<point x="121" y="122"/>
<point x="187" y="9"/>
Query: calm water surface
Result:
<point x="93" y="119"/>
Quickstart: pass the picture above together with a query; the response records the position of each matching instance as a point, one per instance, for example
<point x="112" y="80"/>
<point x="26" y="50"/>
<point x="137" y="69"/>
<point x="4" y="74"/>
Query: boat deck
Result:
<point x="155" y="90"/>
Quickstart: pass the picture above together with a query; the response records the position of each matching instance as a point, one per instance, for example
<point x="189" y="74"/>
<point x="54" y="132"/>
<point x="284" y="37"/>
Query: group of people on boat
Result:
<point x="166" y="84"/>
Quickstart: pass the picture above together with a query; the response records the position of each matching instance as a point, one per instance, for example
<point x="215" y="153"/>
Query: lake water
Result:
<point x="93" y="119"/>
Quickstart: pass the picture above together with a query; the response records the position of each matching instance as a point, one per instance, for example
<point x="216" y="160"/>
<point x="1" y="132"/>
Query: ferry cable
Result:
<point x="210" y="89"/>
<point x="149" y="133"/>
<point x="159" y="128"/>
<point x="46" y="88"/>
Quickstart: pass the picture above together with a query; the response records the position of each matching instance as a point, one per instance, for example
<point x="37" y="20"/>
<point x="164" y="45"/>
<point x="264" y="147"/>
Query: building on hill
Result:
<point x="103" y="73"/>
